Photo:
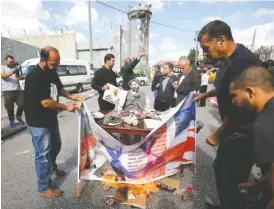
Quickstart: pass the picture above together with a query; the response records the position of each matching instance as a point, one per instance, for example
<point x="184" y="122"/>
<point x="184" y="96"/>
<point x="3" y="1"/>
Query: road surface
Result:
<point x="19" y="178"/>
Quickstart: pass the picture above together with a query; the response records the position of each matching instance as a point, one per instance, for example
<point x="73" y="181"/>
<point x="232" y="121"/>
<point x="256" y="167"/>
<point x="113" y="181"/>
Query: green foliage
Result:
<point x="191" y="56"/>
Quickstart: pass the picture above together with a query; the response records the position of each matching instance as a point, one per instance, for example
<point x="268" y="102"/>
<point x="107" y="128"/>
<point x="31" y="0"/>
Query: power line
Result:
<point x="157" y="23"/>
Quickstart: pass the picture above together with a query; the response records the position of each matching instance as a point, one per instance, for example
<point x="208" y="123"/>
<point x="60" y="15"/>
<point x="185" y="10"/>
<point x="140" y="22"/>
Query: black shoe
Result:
<point x="20" y="120"/>
<point x="211" y="206"/>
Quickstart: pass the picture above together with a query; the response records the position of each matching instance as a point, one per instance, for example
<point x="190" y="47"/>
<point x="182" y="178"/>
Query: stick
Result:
<point x="195" y="137"/>
<point x="78" y="192"/>
<point x="79" y="155"/>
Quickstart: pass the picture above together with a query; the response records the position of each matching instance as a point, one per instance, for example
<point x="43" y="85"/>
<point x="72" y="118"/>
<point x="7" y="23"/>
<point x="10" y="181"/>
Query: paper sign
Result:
<point x="115" y="95"/>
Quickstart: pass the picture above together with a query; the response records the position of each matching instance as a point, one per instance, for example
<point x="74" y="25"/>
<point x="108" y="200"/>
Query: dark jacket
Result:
<point x="168" y="93"/>
<point x="156" y="80"/>
<point x="191" y="82"/>
<point x="101" y="78"/>
<point x="128" y="74"/>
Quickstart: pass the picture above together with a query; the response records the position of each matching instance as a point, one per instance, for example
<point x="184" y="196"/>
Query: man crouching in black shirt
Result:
<point x="42" y="88"/>
<point x="254" y="89"/>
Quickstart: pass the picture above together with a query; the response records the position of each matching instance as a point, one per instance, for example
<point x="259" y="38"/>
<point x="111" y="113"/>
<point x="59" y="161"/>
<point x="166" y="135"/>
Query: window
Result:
<point x="71" y="70"/>
<point x="82" y="70"/>
<point x="27" y="69"/>
<point x="62" y="70"/>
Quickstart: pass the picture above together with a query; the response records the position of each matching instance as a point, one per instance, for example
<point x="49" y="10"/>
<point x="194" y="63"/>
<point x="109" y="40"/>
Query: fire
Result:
<point x="136" y="189"/>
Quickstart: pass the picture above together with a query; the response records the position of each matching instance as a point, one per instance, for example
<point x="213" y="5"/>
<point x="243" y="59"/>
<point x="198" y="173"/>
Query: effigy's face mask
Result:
<point x="135" y="86"/>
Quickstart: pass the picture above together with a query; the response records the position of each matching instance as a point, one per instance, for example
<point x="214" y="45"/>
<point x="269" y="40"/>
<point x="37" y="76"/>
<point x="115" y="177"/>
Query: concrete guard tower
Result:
<point x="139" y="17"/>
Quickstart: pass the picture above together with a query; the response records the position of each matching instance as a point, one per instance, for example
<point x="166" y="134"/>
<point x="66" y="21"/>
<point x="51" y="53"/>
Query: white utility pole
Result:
<point x="253" y="40"/>
<point x="90" y="32"/>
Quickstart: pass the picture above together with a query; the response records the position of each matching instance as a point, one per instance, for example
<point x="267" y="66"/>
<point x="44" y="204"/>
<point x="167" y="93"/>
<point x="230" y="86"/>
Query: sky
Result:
<point x="165" y="43"/>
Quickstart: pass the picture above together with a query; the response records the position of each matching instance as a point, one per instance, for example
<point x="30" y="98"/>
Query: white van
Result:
<point x="72" y="73"/>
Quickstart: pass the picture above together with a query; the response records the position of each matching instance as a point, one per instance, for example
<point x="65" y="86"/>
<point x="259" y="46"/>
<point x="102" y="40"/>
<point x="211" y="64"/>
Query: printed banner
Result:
<point x="155" y="156"/>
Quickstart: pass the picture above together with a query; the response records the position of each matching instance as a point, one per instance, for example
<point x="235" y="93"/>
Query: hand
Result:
<point x="213" y="140"/>
<point x="199" y="96"/>
<point x="78" y="105"/>
<point x="14" y="70"/>
<point x="175" y="84"/>
<point x="75" y="97"/>
<point x="71" y="108"/>
<point x="106" y="87"/>
<point x="270" y="204"/>
<point x="142" y="54"/>
<point x="247" y="185"/>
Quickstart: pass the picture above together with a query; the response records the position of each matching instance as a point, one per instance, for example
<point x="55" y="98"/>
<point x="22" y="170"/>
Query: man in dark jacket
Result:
<point x="157" y="76"/>
<point x="127" y="70"/>
<point x="189" y="80"/>
<point x="166" y="90"/>
<point x="102" y="77"/>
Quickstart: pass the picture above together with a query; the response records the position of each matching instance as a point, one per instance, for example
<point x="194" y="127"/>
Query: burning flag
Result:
<point x="156" y="156"/>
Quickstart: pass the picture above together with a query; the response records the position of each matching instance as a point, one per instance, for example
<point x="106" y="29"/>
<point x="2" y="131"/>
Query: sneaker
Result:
<point x="12" y="124"/>
<point x="52" y="193"/>
<point x="20" y="120"/>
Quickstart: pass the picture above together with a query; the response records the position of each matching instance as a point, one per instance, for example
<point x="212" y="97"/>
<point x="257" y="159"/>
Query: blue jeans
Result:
<point x="155" y="94"/>
<point x="47" y="144"/>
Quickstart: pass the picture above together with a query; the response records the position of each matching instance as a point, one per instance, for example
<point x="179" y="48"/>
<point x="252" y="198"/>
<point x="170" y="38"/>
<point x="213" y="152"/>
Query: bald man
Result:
<point x="189" y="80"/>
<point x="254" y="89"/>
<point x="42" y="88"/>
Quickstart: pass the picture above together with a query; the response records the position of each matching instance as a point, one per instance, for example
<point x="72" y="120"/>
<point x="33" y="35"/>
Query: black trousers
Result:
<point x="232" y="166"/>
<point x="104" y="105"/>
<point x="11" y="97"/>
<point x="203" y="89"/>
<point x="162" y="106"/>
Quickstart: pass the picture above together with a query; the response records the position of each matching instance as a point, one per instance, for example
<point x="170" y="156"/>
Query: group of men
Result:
<point x="245" y="95"/>
<point x="169" y="90"/>
<point x="106" y="75"/>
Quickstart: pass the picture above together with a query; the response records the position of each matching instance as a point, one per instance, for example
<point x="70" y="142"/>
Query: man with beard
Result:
<point x="254" y="89"/>
<point x="102" y="77"/>
<point x="234" y="158"/>
<point x="42" y="88"/>
<point x="11" y="90"/>
<point x="136" y="100"/>
<point x="127" y="70"/>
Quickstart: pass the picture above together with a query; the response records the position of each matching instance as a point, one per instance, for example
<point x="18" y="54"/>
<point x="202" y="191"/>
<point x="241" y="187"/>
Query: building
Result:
<point x="64" y="42"/>
<point x="99" y="52"/>
<point x="20" y="51"/>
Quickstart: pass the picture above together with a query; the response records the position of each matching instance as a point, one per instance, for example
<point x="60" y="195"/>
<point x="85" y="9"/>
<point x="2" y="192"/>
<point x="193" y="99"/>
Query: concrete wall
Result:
<point x="98" y="56"/>
<point x="20" y="51"/>
<point x="65" y="43"/>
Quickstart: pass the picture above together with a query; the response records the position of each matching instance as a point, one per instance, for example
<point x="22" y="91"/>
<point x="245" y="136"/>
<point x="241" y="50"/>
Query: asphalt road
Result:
<point x="19" y="178"/>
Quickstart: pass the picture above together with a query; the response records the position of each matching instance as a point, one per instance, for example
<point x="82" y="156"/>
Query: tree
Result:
<point x="191" y="56"/>
<point x="264" y="52"/>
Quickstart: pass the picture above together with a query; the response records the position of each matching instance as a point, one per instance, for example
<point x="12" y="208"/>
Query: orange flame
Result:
<point x="136" y="189"/>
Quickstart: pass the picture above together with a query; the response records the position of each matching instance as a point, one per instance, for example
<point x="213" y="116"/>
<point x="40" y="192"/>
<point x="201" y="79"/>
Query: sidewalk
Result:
<point x="7" y="131"/>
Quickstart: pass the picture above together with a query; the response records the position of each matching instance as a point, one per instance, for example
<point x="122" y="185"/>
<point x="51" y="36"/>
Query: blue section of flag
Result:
<point x="185" y="115"/>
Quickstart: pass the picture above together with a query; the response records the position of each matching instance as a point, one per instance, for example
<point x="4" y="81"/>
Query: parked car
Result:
<point x="72" y="73"/>
<point x="142" y="78"/>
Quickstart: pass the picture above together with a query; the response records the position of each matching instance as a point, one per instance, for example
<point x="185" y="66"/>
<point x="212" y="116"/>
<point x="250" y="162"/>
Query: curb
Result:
<point x="20" y="127"/>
